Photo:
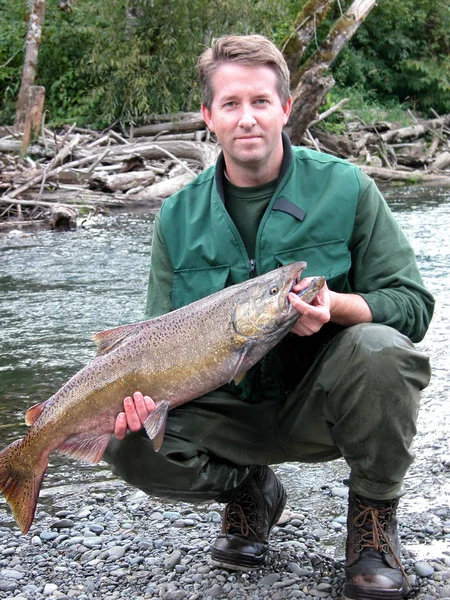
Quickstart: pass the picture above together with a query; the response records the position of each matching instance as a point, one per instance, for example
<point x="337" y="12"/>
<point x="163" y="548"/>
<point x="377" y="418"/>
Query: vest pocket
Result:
<point x="190" y="285"/>
<point x="331" y="259"/>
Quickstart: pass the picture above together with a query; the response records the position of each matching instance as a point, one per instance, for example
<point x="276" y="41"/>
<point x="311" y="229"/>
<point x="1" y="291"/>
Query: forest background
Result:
<point x="103" y="61"/>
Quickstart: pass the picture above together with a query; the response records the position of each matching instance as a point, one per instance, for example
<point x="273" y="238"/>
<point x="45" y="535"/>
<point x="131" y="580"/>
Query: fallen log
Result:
<point x="121" y="181"/>
<point x="407" y="176"/>
<point x="41" y="177"/>
<point x="179" y="123"/>
<point x="14" y="146"/>
<point x="163" y="189"/>
<point x="412" y="132"/>
<point x="204" y="153"/>
<point x="442" y="161"/>
<point x="339" y="145"/>
<point x="63" y="218"/>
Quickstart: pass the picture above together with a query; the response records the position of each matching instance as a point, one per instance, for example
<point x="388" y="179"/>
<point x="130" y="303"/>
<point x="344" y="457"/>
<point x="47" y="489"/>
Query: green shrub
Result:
<point x="123" y="60"/>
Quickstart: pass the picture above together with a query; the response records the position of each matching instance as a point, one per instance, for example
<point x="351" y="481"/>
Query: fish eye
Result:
<point x="273" y="290"/>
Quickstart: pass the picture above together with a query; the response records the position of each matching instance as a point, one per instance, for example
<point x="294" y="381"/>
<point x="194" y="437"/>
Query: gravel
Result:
<point x="88" y="542"/>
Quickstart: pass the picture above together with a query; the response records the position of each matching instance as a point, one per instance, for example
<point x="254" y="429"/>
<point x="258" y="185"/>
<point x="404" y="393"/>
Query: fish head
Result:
<point x="263" y="308"/>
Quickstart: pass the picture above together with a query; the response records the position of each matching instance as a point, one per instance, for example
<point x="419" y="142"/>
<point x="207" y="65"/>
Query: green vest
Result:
<point x="310" y="217"/>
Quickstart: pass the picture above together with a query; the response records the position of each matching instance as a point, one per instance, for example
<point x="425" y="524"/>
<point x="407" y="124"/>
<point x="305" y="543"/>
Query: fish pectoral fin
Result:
<point x="33" y="413"/>
<point x="155" y="424"/>
<point x="237" y="380"/>
<point x="88" y="448"/>
<point x="239" y="374"/>
<point x="111" y="338"/>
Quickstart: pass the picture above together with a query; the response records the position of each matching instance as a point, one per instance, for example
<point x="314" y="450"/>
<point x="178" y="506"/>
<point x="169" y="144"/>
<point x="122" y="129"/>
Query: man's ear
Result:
<point x="287" y="109"/>
<point x="206" y="113"/>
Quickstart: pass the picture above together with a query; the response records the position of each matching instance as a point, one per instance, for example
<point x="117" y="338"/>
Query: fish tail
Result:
<point x="20" y="482"/>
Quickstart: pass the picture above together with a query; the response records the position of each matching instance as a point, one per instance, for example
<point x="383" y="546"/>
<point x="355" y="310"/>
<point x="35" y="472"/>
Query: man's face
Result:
<point x="247" y="117"/>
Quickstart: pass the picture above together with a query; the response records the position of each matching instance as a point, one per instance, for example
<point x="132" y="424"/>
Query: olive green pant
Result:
<point x="359" y="400"/>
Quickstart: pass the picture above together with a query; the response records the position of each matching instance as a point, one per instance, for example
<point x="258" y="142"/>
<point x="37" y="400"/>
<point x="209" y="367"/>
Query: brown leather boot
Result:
<point x="373" y="570"/>
<point x="248" y="520"/>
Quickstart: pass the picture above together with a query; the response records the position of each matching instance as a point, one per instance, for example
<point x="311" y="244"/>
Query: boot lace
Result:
<point x="241" y="515"/>
<point x="371" y="523"/>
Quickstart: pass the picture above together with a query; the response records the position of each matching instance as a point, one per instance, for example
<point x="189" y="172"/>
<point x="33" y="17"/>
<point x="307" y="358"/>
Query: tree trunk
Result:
<point x="33" y="116"/>
<point x="310" y="89"/>
<point x="308" y="96"/>
<point x="31" y="57"/>
<point x="305" y="26"/>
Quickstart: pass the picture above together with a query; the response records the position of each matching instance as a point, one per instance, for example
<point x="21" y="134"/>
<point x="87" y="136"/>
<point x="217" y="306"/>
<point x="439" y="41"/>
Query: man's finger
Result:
<point x="133" y="419"/>
<point x="149" y="403"/>
<point x="120" y="427"/>
<point x="140" y="407"/>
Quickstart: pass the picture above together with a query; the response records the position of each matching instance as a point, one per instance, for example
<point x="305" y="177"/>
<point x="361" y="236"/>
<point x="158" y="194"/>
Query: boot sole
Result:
<point x="255" y="562"/>
<point x="357" y="593"/>
<point x="240" y="562"/>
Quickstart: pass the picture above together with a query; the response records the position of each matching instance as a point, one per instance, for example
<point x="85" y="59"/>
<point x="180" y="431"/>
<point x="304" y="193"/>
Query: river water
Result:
<point x="57" y="288"/>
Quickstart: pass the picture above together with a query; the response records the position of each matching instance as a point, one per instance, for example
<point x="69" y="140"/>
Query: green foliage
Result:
<point x="148" y="67"/>
<point x="13" y="29"/>
<point x="367" y="106"/>
<point x="125" y="60"/>
<point x="401" y="52"/>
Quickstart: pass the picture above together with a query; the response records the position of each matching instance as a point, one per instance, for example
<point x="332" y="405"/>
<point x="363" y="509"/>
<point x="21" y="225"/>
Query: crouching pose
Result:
<point x="345" y="382"/>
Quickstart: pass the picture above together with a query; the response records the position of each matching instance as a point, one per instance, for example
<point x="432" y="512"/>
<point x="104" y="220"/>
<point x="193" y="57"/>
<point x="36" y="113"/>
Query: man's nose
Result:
<point x="247" y="116"/>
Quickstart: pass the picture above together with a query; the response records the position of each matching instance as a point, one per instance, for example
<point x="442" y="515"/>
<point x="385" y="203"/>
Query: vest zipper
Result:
<point x="252" y="267"/>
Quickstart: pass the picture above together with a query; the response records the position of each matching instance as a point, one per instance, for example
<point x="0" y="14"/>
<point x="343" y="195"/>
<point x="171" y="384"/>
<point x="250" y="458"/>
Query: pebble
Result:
<point x="121" y="544"/>
<point x="173" y="560"/>
<point x="49" y="589"/>
<point x="63" y="524"/>
<point x="424" y="569"/>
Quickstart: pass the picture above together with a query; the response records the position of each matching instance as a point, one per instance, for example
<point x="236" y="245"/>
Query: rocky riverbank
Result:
<point x="110" y="541"/>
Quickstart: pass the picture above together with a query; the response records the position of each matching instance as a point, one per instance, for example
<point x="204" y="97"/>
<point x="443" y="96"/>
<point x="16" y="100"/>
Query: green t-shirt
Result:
<point x="246" y="206"/>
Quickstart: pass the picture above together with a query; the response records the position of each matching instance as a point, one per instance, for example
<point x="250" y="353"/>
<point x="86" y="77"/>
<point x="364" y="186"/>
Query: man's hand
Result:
<point x="343" y="309"/>
<point x="136" y="410"/>
<point x="312" y="316"/>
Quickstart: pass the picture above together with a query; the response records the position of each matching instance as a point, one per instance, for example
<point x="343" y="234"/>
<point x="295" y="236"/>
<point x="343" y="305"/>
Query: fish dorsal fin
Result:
<point x="33" y="413"/>
<point x="155" y="424"/>
<point x="111" y="338"/>
<point x="89" y="447"/>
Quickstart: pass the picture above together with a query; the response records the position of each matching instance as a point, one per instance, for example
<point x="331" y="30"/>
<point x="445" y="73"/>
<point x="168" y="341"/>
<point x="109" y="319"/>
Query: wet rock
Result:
<point x="172" y="560"/>
<point x="11" y="574"/>
<point x="269" y="580"/>
<point x="63" y="524"/>
<point x="49" y="589"/>
<point x="424" y="569"/>
<point x="48" y="536"/>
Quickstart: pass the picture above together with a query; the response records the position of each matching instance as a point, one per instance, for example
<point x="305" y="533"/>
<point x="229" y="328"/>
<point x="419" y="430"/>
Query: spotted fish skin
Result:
<point x="173" y="358"/>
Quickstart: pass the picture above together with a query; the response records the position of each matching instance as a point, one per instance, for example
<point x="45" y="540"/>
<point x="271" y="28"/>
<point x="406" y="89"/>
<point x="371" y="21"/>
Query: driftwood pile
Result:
<point x="78" y="172"/>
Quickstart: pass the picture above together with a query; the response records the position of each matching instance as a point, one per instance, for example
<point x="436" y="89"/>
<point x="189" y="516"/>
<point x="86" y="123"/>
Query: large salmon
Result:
<point x="173" y="358"/>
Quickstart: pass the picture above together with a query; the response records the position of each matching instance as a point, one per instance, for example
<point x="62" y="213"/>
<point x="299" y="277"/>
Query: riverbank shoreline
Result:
<point x="59" y="288"/>
<point x="112" y="541"/>
<point x="72" y="174"/>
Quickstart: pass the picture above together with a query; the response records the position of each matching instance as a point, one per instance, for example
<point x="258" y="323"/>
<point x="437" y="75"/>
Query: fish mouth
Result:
<point x="295" y="279"/>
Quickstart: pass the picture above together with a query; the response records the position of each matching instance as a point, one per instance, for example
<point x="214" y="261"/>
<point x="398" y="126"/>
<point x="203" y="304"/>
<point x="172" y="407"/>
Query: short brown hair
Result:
<point x="247" y="50"/>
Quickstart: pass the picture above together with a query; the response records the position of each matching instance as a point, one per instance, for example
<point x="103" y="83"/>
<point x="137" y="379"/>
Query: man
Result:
<point x="345" y="382"/>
